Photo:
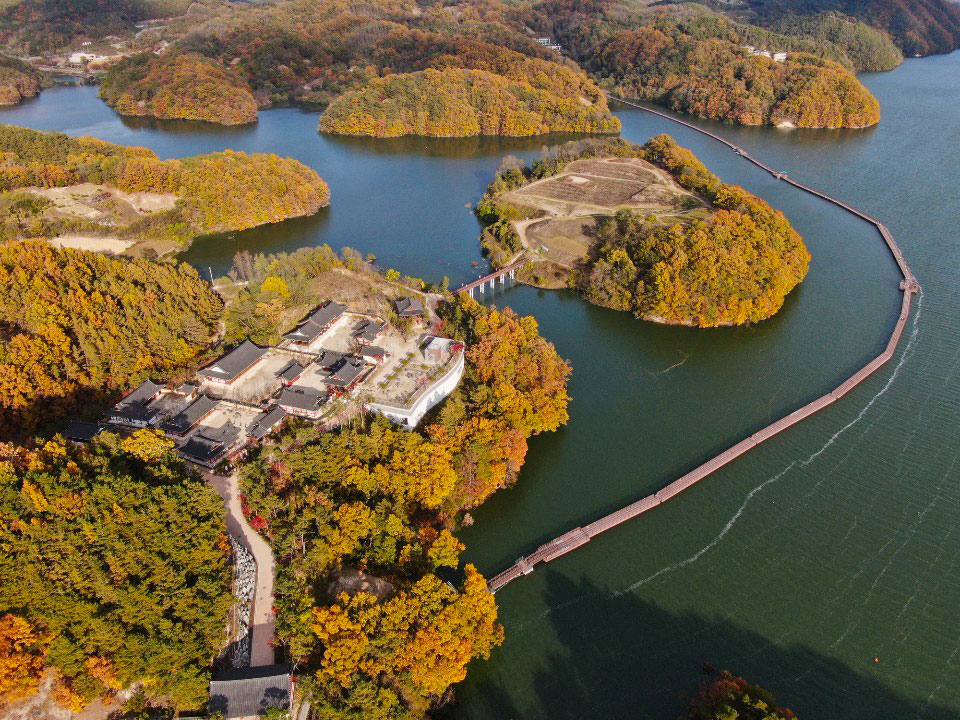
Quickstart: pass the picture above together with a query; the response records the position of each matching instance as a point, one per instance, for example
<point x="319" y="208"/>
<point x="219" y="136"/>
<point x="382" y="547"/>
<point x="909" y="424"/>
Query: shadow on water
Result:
<point x="189" y="128"/>
<point x="630" y="653"/>
<point x="448" y="148"/>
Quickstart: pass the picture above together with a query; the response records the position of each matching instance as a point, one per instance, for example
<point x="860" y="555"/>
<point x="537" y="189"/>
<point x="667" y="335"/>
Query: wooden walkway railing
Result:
<point x="581" y="535"/>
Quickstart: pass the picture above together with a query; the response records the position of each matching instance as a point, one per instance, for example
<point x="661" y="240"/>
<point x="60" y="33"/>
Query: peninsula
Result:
<point x="647" y="229"/>
<point x="83" y="192"/>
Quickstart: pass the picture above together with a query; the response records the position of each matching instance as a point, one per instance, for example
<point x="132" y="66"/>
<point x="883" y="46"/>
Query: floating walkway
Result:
<point x="581" y="535"/>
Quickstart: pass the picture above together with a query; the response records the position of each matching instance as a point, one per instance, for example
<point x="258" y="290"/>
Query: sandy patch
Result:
<point x="114" y="246"/>
<point x="99" y="202"/>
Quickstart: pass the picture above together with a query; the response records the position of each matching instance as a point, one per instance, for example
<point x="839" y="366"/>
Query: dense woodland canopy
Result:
<point x="694" y="61"/>
<point x="867" y="48"/>
<point x="377" y="498"/>
<point x="458" y="103"/>
<point x="35" y="26"/>
<point x="179" y="87"/>
<point x="919" y="27"/>
<point x="113" y="570"/>
<point x="734" y="268"/>
<point x="18" y="81"/>
<point x="217" y="192"/>
<point x="77" y="328"/>
<point x="300" y="50"/>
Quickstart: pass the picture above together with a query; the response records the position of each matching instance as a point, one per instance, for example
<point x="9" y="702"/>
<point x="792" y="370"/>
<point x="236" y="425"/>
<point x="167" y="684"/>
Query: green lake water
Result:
<point x="797" y="565"/>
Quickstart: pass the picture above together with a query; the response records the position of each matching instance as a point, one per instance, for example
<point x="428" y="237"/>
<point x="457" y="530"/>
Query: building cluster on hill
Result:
<point x="333" y="358"/>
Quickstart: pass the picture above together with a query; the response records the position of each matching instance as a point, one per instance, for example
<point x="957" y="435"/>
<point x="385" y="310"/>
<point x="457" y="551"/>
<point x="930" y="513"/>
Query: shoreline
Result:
<point x="578" y="536"/>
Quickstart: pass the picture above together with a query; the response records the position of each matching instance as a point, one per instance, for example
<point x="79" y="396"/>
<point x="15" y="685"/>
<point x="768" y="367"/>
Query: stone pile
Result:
<point x="244" y="585"/>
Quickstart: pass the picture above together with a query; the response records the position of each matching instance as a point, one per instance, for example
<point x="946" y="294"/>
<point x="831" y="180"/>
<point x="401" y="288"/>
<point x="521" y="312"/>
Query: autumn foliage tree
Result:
<point x="729" y="697"/>
<point x="375" y="497"/>
<point x="22" y="651"/>
<point x="18" y="81"/>
<point x="733" y="265"/>
<point x="694" y="61"/>
<point x="118" y="562"/>
<point x="179" y="86"/>
<point x="77" y="327"/>
<point x="217" y="192"/>
<point x="458" y="103"/>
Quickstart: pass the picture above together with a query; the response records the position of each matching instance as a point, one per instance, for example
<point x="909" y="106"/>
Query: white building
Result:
<point x="413" y="413"/>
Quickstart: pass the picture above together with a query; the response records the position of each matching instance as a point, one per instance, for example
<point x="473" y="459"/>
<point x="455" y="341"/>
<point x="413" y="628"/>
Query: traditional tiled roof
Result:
<point x="326" y="314"/>
<point x="368" y="331"/>
<point x="208" y="445"/>
<point x="144" y="393"/>
<point x="408" y="307"/>
<point x="369" y="351"/>
<point x="306" y="333"/>
<point x="291" y="371"/>
<point x="190" y="415"/>
<point x="302" y="398"/>
<point x="328" y="358"/>
<point x="250" y="692"/>
<point x="344" y="372"/>
<point x="234" y="362"/>
<point x="80" y="431"/>
<point x="133" y="408"/>
<point x="265" y="422"/>
<point x="316" y="323"/>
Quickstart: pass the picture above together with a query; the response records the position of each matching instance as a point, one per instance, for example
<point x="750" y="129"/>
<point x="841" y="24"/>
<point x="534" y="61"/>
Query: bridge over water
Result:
<point x="502" y="274"/>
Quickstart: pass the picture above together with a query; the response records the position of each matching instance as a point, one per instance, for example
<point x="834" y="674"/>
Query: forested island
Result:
<point x="179" y="87"/>
<point x="459" y="103"/>
<point x="55" y="186"/>
<point x="647" y="229"/>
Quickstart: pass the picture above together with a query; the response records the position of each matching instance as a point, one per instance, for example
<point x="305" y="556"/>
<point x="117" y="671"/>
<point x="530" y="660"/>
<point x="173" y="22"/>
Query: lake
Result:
<point x="825" y="564"/>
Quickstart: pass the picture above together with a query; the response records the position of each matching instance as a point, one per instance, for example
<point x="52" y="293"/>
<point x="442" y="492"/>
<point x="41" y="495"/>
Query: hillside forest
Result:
<point x="218" y="61"/>
<point x="178" y="87"/>
<point x="696" y="61"/>
<point x="78" y="328"/>
<point x="734" y="267"/>
<point x="459" y="103"/>
<point x="214" y="193"/>
<point x="114" y="570"/>
<point x="18" y="81"/>
<point x="394" y="650"/>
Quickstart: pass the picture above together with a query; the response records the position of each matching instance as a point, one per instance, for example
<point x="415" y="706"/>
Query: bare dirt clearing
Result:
<point x="602" y="186"/>
<point x="93" y="243"/>
<point x="587" y="190"/>
<point x="101" y="203"/>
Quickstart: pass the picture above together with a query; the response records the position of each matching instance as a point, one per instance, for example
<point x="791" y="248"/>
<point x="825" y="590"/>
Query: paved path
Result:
<point x="262" y="619"/>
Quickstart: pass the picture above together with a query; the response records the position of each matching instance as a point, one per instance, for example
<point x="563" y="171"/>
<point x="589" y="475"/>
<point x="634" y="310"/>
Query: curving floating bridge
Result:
<point x="581" y="535"/>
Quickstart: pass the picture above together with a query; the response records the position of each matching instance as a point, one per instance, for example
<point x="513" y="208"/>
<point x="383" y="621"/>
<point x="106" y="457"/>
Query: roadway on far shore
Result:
<point x="262" y="620"/>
